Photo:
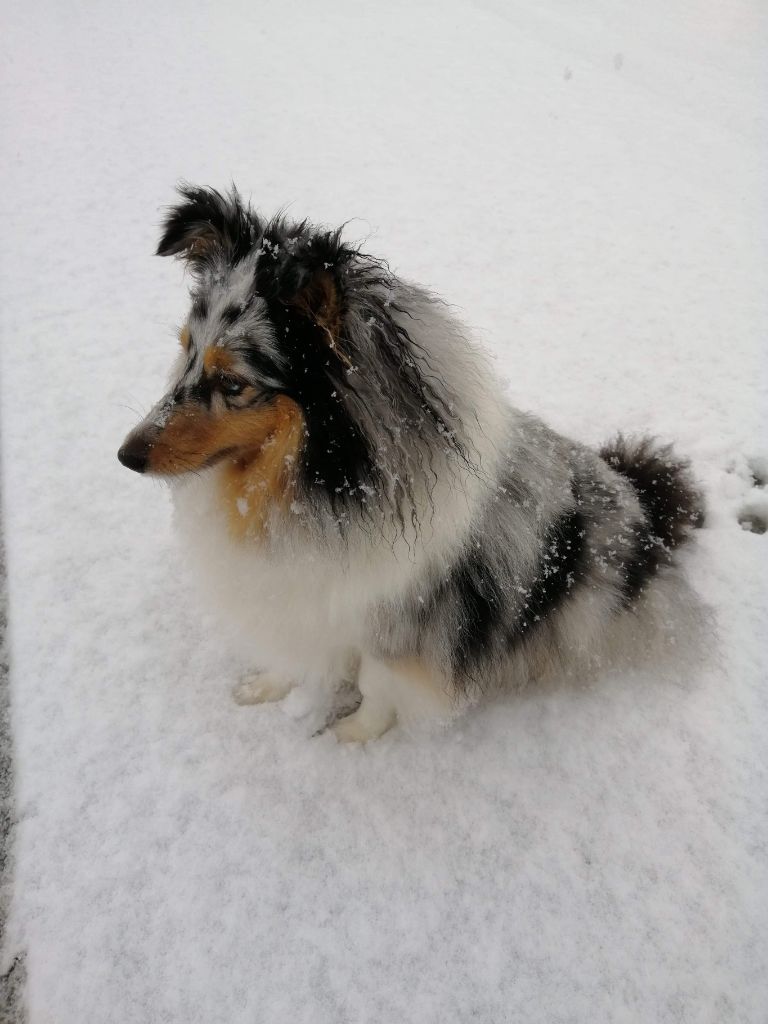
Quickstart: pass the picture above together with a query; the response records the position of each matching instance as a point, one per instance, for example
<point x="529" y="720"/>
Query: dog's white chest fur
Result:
<point x="291" y="612"/>
<point x="301" y="608"/>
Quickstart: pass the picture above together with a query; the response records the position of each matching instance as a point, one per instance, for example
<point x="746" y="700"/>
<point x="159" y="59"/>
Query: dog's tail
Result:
<point x="664" y="484"/>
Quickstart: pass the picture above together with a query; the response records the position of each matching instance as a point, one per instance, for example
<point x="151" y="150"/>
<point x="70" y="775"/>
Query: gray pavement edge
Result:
<point x="12" y="981"/>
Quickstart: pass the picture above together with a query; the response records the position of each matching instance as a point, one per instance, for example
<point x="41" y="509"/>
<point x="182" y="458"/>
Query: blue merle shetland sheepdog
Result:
<point x="364" y="501"/>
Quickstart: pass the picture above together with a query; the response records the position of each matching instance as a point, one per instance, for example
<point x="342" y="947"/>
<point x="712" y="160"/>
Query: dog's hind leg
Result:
<point x="264" y="688"/>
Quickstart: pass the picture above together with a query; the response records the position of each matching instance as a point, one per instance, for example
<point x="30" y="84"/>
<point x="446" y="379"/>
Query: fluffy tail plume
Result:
<point x="664" y="485"/>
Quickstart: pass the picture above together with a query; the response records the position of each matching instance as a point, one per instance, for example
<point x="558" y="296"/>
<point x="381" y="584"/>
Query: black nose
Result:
<point x="134" y="455"/>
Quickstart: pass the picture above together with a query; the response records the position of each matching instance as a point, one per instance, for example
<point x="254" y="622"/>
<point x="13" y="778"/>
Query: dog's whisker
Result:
<point x="130" y="408"/>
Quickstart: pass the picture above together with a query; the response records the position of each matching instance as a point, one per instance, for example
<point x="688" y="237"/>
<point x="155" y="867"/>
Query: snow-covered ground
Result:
<point x="585" y="180"/>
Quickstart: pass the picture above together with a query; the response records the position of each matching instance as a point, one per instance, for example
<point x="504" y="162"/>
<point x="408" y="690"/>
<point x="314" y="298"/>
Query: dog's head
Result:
<point x="295" y="361"/>
<point x="266" y="310"/>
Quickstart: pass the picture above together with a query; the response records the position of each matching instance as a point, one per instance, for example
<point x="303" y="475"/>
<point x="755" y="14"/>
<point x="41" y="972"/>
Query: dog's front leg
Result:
<point x="338" y="668"/>
<point x="404" y="689"/>
<point x="377" y="711"/>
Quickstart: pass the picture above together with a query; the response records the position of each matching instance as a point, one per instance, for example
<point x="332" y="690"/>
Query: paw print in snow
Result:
<point x="753" y="514"/>
<point x="754" y="518"/>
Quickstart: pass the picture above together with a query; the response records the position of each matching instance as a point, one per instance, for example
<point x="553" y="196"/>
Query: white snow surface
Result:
<point x="585" y="181"/>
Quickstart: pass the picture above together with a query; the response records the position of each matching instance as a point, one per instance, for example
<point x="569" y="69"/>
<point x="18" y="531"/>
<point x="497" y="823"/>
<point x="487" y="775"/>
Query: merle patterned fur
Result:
<point x="515" y="545"/>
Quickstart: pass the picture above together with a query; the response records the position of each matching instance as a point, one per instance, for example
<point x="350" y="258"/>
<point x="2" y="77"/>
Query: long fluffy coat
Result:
<point x="364" y="501"/>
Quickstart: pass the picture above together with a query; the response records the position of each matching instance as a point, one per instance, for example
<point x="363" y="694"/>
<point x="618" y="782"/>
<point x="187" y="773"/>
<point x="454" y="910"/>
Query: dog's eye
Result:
<point x="230" y="386"/>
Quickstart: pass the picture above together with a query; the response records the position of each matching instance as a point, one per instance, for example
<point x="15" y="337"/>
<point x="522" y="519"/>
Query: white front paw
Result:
<point x="363" y="725"/>
<point x="261" y="689"/>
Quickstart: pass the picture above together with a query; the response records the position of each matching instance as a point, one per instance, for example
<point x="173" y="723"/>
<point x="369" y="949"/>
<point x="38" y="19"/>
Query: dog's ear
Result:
<point x="320" y="300"/>
<point x="207" y="226"/>
<point x="304" y="274"/>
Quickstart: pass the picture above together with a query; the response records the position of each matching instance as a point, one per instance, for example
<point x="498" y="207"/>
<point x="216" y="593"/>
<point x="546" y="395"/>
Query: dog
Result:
<point x="364" y="502"/>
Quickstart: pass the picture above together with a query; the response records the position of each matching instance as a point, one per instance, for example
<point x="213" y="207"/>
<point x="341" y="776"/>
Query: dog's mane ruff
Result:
<point x="423" y="393"/>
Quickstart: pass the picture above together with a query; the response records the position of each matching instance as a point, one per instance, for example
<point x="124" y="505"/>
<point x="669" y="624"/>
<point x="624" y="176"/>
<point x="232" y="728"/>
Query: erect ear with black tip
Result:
<point x="208" y="225"/>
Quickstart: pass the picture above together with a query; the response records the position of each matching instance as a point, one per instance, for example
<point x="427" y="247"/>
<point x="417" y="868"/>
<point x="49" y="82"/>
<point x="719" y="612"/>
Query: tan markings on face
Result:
<point x="184" y="336"/>
<point x="217" y="358"/>
<point x="195" y="436"/>
<point x="265" y="479"/>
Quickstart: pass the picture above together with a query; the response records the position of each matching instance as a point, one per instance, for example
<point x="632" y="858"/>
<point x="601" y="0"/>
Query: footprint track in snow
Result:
<point x="752" y="516"/>
<point x="758" y="467"/>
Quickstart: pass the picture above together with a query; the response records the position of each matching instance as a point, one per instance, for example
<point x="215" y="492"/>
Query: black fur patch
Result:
<point x="560" y="567"/>
<point x="337" y="458"/>
<point x="263" y="365"/>
<point x="200" y="307"/>
<point x="201" y="391"/>
<point x="649" y="553"/>
<point x="477" y="599"/>
<point x="480" y="604"/>
<point x="231" y="315"/>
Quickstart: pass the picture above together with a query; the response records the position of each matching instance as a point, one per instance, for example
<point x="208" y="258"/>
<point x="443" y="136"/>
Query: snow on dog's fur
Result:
<point x="363" y="500"/>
